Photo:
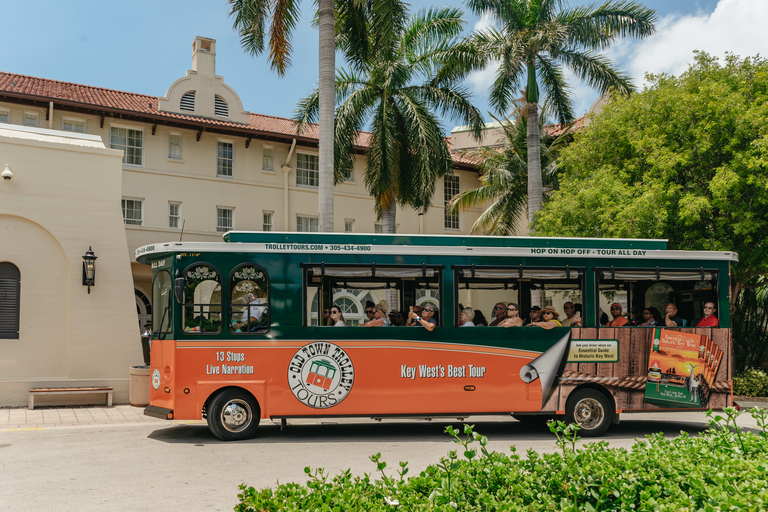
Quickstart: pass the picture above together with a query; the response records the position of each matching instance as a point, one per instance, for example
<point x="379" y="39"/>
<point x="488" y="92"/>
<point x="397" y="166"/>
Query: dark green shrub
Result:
<point x="751" y="383"/>
<point x="723" y="469"/>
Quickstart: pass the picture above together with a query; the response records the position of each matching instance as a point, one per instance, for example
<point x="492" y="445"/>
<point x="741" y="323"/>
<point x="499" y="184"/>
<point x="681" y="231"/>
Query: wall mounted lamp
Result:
<point x="89" y="269"/>
<point x="7" y="174"/>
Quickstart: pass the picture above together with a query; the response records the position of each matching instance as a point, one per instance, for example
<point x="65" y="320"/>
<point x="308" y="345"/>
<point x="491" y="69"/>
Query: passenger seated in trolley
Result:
<point x="513" y="317"/>
<point x="252" y="313"/>
<point x="549" y="319"/>
<point x="380" y="315"/>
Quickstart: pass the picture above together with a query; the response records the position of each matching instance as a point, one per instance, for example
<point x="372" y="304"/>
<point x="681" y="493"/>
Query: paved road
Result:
<point x="181" y="466"/>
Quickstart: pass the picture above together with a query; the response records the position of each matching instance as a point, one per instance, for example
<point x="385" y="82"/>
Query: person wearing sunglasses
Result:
<point x="499" y="311"/>
<point x="618" y="318"/>
<point x="426" y="319"/>
<point x="337" y="317"/>
<point x="572" y="317"/>
<point x="548" y="319"/>
<point x="513" y="316"/>
<point x="709" y="320"/>
<point x="380" y="318"/>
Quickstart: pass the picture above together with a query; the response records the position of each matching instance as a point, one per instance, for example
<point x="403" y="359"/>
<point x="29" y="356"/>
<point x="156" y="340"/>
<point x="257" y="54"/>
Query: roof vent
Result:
<point x="220" y="107"/>
<point x="188" y="102"/>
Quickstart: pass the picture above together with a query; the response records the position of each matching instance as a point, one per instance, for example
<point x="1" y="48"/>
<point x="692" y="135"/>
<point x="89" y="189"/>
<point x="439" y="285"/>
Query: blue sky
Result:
<point x="143" y="46"/>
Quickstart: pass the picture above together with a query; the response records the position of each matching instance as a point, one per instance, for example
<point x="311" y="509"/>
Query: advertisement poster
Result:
<point x="678" y="376"/>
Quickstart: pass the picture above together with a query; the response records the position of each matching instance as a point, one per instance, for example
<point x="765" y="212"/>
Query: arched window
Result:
<point x="220" y="107"/>
<point x="202" y="299"/>
<point x="10" y="294"/>
<point x="249" y="300"/>
<point x="188" y="102"/>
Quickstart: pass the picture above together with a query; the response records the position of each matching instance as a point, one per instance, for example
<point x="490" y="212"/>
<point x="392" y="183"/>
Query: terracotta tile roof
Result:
<point x="88" y="96"/>
<point x="558" y="129"/>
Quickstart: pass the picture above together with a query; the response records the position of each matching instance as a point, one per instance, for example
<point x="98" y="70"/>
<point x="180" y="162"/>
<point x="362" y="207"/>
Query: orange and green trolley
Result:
<point x="239" y="330"/>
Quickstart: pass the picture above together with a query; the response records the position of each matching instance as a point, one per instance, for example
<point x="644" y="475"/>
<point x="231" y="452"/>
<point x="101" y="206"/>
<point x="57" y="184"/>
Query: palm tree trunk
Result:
<point x="535" y="192"/>
<point x="388" y="218"/>
<point x="327" y="97"/>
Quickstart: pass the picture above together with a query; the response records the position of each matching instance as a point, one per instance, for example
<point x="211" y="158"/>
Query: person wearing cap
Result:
<point x="549" y="319"/>
<point x="618" y="318"/>
<point x="534" y="315"/>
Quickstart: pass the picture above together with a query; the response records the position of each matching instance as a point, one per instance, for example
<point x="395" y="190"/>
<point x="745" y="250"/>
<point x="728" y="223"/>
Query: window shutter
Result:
<point x="10" y="291"/>
<point x="220" y="107"/>
<point x="188" y="102"/>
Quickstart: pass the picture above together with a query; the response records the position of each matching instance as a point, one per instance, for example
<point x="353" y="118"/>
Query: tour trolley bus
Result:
<point x="239" y="334"/>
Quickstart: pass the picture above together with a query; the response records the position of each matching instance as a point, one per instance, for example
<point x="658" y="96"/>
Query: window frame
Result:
<point x="309" y="219"/>
<point x="74" y="120"/>
<point x="306" y="176"/>
<point x="220" y="209"/>
<point x="124" y="148"/>
<point x="264" y="223"/>
<point x="184" y="304"/>
<point x="177" y="216"/>
<point x="451" y="221"/>
<point x="8" y="112"/>
<point x="220" y="159"/>
<point x="349" y="223"/>
<point x="123" y="208"/>
<point x="160" y="310"/>
<point x="180" y="158"/>
<point x="271" y="166"/>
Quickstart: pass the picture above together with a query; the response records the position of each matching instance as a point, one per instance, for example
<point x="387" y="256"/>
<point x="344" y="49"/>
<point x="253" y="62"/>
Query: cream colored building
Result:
<point x="192" y="160"/>
<point x="59" y="197"/>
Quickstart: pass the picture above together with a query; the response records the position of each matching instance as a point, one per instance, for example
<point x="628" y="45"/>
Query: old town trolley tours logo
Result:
<point x="320" y="375"/>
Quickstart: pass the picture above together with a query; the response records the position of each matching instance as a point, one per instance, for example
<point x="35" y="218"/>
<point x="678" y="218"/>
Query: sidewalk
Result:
<point x="43" y="417"/>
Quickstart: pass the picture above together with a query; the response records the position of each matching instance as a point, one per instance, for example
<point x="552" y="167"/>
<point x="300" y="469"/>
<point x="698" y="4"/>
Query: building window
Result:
<point x="225" y="219"/>
<point x="225" y="159"/>
<point x="307" y="170"/>
<point x="174" y="214"/>
<point x="174" y="146"/>
<point x="130" y="141"/>
<point x="266" y="159"/>
<point x="220" y="107"/>
<point x="378" y="227"/>
<point x="73" y="125"/>
<point x="5" y="115"/>
<point x="133" y="211"/>
<point x="349" y="225"/>
<point x="10" y="304"/>
<point x="188" y="102"/>
<point x="451" y="188"/>
<point x="268" y="221"/>
<point x="31" y="119"/>
<point x="306" y="224"/>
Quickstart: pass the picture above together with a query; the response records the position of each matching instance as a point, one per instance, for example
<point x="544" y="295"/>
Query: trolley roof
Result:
<point x="438" y="245"/>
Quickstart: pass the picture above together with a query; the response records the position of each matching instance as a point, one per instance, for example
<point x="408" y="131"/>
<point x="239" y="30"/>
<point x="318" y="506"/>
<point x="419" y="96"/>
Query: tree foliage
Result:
<point x="685" y="160"/>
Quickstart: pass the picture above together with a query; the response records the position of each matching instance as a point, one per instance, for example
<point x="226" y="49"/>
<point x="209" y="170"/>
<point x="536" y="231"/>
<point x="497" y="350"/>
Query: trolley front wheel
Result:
<point x="233" y="415"/>
<point x="590" y="410"/>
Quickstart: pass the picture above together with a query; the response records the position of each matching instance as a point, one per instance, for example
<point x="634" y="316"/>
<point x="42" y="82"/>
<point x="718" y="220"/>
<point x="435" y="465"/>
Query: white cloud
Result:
<point x="735" y="26"/>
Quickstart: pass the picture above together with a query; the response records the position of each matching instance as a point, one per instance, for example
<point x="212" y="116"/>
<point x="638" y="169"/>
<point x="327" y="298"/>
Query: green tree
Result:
<point x="504" y="175"/>
<point x="397" y="88"/>
<point x="686" y="160"/>
<point x="251" y="17"/>
<point x="536" y="39"/>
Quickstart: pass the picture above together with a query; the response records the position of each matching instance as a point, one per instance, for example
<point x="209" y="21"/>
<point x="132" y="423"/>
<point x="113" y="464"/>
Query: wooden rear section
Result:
<point x="626" y="379"/>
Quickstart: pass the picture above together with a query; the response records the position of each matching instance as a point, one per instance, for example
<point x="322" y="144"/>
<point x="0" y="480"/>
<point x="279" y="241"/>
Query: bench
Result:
<point x="33" y="392"/>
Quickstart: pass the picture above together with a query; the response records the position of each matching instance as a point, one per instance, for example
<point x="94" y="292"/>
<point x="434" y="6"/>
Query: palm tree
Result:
<point x="250" y="19"/>
<point x="504" y="174"/>
<point x="396" y="88"/>
<point x="536" y="40"/>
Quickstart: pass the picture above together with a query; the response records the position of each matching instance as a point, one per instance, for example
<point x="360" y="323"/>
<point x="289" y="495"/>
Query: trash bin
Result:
<point x="139" y="386"/>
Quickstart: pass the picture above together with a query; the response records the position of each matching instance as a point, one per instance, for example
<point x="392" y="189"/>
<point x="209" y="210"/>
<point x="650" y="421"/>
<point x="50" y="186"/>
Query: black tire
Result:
<point x="233" y="415"/>
<point x="589" y="409"/>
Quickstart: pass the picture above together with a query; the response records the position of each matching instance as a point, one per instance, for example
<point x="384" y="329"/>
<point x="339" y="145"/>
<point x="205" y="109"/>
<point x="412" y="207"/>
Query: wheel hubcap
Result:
<point x="589" y="413"/>
<point x="236" y="415"/>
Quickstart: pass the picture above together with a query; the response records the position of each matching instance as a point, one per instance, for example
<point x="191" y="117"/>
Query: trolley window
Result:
<point x="353" y="287"/>
<point x="161" y="303"/>
<point x="481" y="288"/>
<point x="201" y="309"/>
<point x="249" y="300"/>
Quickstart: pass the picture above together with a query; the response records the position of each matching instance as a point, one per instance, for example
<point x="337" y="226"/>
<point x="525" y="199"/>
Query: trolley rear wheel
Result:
<point x="233" y="415"/>
<point x="589" y="409"/>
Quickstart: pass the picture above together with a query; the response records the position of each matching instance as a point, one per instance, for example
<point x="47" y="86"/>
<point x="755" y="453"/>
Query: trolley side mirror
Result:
<point x="178" y="289"/>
